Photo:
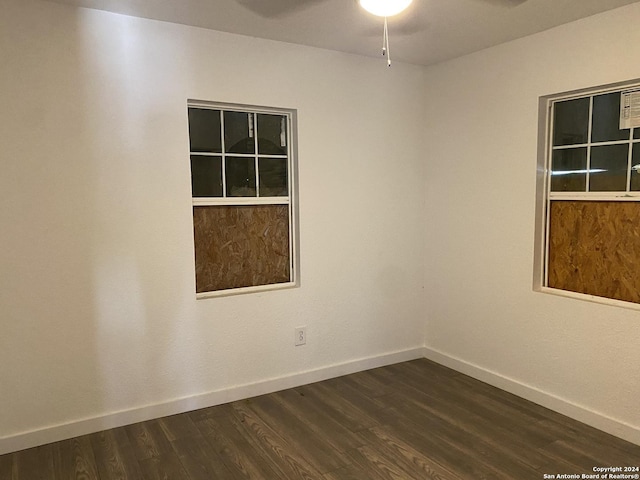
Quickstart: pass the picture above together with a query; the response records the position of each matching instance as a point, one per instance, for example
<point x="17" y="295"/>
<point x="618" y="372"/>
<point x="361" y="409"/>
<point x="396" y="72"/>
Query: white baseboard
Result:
<point x="86" y="426"/>
<point x="595" y="419"/>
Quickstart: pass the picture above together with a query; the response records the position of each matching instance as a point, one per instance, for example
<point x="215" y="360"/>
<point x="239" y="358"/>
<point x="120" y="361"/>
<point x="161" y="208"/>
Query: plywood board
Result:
<point x="594" y="248"/>
<point x="241" y="246"/>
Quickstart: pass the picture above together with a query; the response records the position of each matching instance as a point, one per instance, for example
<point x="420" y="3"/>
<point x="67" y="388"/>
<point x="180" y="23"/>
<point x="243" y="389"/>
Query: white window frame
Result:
<point x="291" y="199"/>
<point x="544" y="195"/>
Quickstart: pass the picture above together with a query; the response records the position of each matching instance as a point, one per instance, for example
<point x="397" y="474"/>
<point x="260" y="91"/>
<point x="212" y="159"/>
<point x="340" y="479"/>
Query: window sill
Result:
<point x="589" y="298"/>
<point x="240" y="291"/>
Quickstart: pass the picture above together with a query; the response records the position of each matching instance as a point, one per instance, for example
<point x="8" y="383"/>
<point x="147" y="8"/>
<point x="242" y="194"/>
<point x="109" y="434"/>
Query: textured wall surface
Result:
<point x="97" y="291"/>
<point x="481" y="190"/>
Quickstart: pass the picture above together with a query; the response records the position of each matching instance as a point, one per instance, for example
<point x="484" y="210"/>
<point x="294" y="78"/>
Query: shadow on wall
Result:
<point x="146" y="346"/>
<point x="91" y="260"/>
<point x="48" y="363"/>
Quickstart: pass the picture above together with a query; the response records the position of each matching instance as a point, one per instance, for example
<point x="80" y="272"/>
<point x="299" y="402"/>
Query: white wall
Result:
<point x="97" y="304"/>
<point x="482" y="314"/>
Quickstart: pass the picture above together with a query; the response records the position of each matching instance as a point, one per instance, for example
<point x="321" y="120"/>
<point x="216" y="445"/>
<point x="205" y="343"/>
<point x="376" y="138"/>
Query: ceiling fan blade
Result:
<point x="276" y="8"/>
<point x="504" y="3"/>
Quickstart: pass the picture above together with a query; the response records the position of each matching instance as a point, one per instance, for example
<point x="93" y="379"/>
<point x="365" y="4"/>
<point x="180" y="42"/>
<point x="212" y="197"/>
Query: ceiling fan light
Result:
<point x="385" y="8"/>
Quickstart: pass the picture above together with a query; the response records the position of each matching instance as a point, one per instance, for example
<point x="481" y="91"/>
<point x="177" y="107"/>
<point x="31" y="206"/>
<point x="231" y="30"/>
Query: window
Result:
<point x="589" y="194"/>
<point x="243" y="195"/>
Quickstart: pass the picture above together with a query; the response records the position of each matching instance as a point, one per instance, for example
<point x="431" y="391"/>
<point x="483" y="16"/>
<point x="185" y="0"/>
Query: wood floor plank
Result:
<point x="114" y="456"/>
<point x="608" y="451"/>
<point x="317" y="449"/>
<point x="478" y="415"/>
<point x="321" y="420"/>
<point x="167" y="466"/>
<point x="205" y="413"/>
<point x="375" y="465"/>
<point x="74" y="460"/>
<point x="585" y="459"/>
<point x="351" y="472"/>
<point x="532" y="410"/>
<point x="476" y="397"/>
<point x="351" y="408"/>
<point x="7" y="467"/>
<point x="178" y="426"/>
<point x="200" y="459"/>
<point x="428" y="370"/>
<point x="147" y="440"/>
<point x="283" y="456"/>
<point x="369" y="385"/>
<point x="237" y="454"/>
<point x="414" y="463"/>
<point x="479" y="442"/>
<point x="464" y="455"/>
<point x="611" y="450"/>
<point x="34" y="463"/>
<point x="346" y="388"/>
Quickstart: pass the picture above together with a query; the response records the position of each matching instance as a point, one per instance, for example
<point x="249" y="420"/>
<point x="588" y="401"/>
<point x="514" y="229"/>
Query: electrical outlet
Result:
<point x="301" y="336"/>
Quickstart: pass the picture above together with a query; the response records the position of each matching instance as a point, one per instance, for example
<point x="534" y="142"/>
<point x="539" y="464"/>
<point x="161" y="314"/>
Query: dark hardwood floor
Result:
<point x="414" y="420"/>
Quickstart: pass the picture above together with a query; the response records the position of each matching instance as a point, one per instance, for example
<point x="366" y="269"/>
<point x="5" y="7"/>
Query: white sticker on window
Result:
<point x="250" y="117"/>
<point x="629" y="110"/>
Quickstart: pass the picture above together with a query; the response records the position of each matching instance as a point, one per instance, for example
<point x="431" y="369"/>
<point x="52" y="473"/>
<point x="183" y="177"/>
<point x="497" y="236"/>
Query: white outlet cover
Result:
<point x="301" y="336"/>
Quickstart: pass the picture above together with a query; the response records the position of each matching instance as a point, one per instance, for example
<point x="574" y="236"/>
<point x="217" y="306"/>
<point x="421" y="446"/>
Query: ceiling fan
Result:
<point x="277" y="8"/>
<point x="380" y="8"/>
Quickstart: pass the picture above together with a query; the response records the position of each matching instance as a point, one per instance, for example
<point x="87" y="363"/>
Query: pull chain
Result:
<point x="385" y="43"/>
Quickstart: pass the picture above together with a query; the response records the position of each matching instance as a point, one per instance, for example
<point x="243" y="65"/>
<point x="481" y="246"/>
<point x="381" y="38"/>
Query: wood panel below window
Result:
<point x="594" y="248"/>
<point x="241" y="246"/>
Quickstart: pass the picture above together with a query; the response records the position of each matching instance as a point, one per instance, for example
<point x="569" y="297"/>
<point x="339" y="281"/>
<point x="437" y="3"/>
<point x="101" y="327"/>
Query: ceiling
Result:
<point x="430" y="31"/>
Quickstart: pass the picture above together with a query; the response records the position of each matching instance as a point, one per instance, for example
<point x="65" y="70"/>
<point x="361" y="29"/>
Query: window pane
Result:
<point x="636" y="133"/>
<point x="204" y="130"/>
<point x="608" y="172"/>
<point x="273" y="177"/>
<point x="606" y="119"/>
<point x="238" y="132"/>
<point x="569" y="170"/>
<point x="206" y="176"/>
<point x="272" y="134"/>
<point x="240" y="173"/>
<point x="571" y="122"/>
<point x="635" y="174"/>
